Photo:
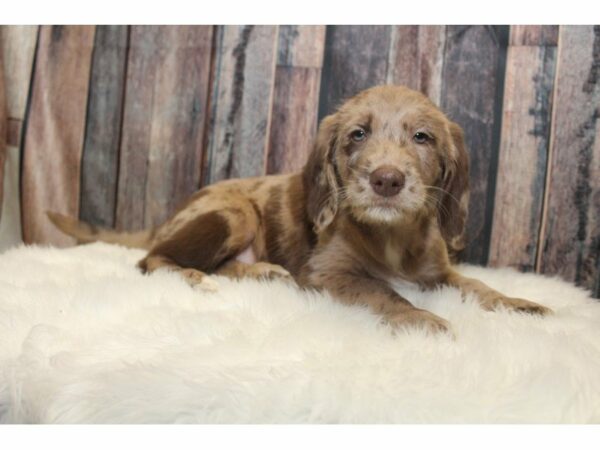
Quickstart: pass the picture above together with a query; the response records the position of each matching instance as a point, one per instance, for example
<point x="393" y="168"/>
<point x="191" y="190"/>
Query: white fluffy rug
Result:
<point x="84" y="337"/>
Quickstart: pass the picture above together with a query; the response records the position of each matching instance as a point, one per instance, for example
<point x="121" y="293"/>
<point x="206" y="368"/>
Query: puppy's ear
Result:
<point x="319" y="176"/>
<point x="455" y="199"/>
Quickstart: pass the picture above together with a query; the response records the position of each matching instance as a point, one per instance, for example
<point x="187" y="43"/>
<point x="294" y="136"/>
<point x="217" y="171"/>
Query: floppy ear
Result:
<point x="319" y="176"/>
<point x="455" y="200"/>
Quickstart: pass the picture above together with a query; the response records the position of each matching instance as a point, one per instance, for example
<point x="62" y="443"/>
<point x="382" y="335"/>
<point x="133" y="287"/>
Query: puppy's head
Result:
<point x="389" y="155"/>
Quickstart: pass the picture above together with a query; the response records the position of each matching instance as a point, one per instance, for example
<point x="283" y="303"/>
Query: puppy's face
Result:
<point x="391" y="155"/>
<point x="391" y="144"/>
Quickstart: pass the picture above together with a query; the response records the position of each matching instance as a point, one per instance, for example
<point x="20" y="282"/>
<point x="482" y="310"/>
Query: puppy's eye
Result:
<point x="358" y="135"/>
<point x="421" y="138"/>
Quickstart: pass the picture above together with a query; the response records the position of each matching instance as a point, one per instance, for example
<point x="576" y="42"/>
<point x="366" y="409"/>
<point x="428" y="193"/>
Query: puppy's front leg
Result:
<point x="380" y="297"/>
<point x="490" y="299"/>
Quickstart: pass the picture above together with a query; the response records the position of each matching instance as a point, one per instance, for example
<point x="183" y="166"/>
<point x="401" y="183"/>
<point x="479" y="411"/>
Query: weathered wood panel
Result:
<point x="356" y="58"/>
<point x="163" y="121"/>
<point x="416" y="58"/>
<point x="240" y="117"/>
<point x="536" y="35"/>
<point x="13" y="132"/>
<point x="301" y="45"/>
<point x="295" y="111"/>
<point x="571" y="229"/>
<point x="296" y="97"/>
<point x="18" y="45"/>
<point x="526" y="117"/>
<point x="100" y="163"/>
<point x="473" y="77"/>
<point x="55" y="130"/>
<point x="3" y="129"/>
<point x="10" y="223"/>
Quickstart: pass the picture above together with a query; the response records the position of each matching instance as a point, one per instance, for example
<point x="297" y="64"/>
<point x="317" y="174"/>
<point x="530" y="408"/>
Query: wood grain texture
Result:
<point x="240" y="117"/>
<point x="3" y="130"/>
<point x="10" y="223"/>
<point x="294" y="118"/>
<point x="416" y="58"/>
<point x="535" y="35"/>
<point x="523" y="156"/>
<point x="55" y="130"/>
<point x="301" y="46"/>
<point x="18" y="45"/>
<point x="296" y="97"/>
<point x="13" y="133"/>
<point x="471" y="95"/>
<point x="356" y="58"/>
<point x="571" y="229"/>
<point x="163" y="121"/>
<point x="99" y="167"/>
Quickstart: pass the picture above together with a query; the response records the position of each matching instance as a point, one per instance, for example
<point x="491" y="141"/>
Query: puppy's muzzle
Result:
<point x="387" y="181"/>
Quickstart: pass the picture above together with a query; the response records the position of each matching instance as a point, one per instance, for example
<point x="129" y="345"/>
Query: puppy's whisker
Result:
<point x="437" y="204"/>
<point x="444" y="191"/>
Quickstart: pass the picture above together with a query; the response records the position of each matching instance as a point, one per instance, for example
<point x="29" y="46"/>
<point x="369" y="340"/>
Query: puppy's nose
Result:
<point x="386" y="181"/>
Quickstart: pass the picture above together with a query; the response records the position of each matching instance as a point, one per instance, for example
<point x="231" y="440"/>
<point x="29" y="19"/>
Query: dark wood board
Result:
<point x="296" y="96"/>
<point x="99" y="169"/>
<point x="163" y="121"/>
<point x="472" y="83"/>
<point x="242" y="91"/>
<point x="526" y="119"/>
<point x="356" y="58"/>
<point x="570" y="241"/>
<point x="417" y="57"/>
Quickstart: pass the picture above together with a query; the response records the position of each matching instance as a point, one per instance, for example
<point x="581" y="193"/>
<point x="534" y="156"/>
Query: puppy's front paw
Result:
<point x="421" y="319"/>
<point x="269" y="270"/>
<point x="518" y="304"/>
<point x="208" y="284"/>
<point x="196" y="278"/>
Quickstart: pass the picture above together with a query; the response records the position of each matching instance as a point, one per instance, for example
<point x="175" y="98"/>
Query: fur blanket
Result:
<point x="84" y="337"/>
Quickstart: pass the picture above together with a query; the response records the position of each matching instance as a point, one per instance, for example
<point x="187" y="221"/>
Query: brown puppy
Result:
<point x="383" y="196"/>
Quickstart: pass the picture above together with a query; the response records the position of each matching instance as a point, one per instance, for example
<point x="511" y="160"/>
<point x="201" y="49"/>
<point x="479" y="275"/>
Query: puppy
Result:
<point x="383" y="196"/>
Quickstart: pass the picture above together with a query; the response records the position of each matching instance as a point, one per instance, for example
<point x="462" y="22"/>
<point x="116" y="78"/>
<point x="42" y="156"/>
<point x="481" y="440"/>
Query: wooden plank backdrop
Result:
<point x="163" y="121"/>
<point x="570" y="234"/>
<point x="124" y="122"/>
<point x="472" y="80"/>
<point x="295" y="97"/>
<point x="99" y="168"/>
<point x="356" y="57"/>
<point x="530" y="72"/>
<point x="240" y="116"/>
<point x="55" y="127"/>
<point x="3" y="128"/>
<point x="18" y="44"/>
<point x="417" y="58"/>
